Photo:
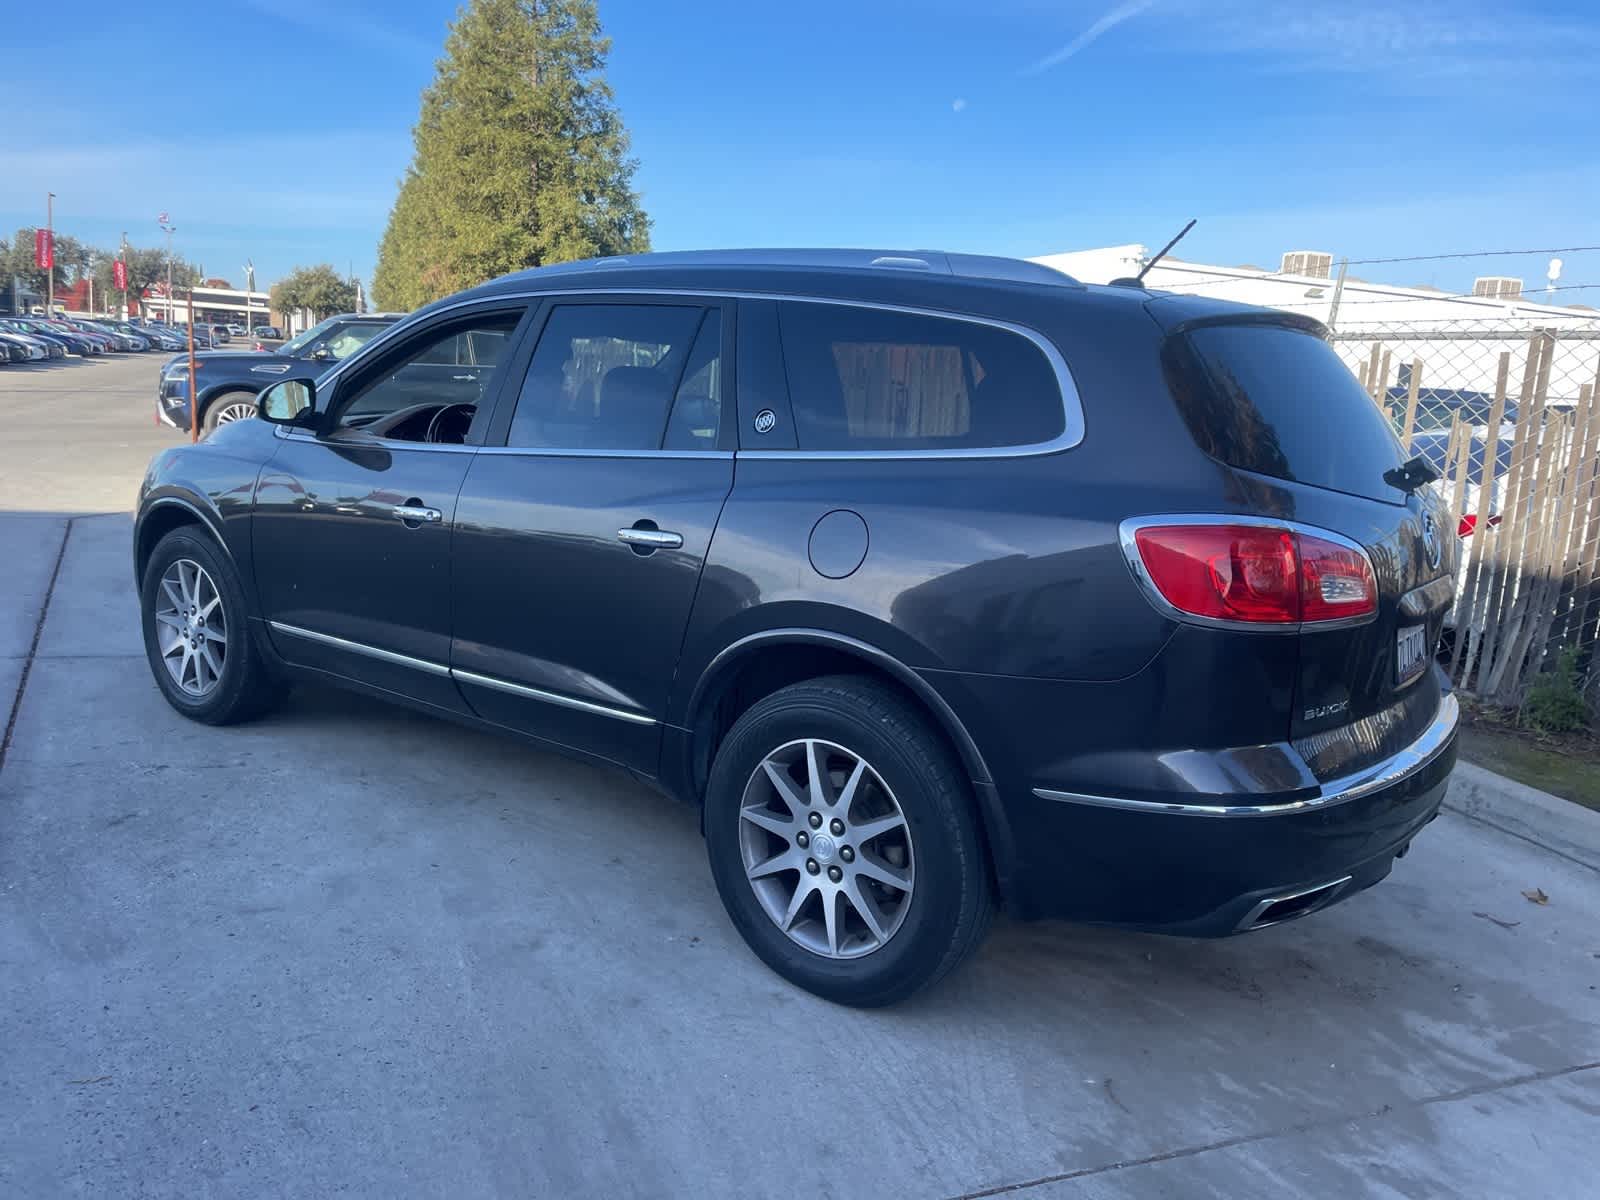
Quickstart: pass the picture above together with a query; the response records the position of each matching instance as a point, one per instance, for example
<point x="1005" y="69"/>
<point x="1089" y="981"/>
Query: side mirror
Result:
<point x="288" y="402"/>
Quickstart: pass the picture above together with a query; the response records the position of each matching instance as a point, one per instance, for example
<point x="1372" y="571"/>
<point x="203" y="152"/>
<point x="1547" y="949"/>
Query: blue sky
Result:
<point x="1362" y="127"/>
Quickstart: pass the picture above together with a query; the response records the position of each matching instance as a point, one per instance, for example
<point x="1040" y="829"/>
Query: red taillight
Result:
<point x="1257" y="574"/>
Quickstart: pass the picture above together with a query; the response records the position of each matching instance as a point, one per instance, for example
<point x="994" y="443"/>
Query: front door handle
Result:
<point x="651" y="539"/>
<point x="416" y="514"/>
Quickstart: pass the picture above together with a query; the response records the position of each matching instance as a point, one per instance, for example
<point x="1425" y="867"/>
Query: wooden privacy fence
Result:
<point x="1512" y="420"/>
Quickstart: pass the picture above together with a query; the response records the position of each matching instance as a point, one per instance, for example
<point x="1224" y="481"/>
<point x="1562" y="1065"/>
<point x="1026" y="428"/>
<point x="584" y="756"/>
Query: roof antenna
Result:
<point x="1138" y="280"/>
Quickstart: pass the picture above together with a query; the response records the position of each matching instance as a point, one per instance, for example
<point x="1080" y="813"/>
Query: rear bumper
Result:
<point x="1210" y="865"/>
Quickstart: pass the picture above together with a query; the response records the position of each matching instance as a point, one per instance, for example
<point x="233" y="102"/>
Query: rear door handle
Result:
<point x="417" y="513"/>
<point x="652" y="539"/>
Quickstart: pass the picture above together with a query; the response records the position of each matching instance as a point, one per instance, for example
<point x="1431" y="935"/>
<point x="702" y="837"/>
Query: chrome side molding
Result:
<point x="460" y="676"/>
<point x="339" y="643"/>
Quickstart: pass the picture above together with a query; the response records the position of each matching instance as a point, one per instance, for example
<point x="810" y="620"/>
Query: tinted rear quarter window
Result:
<point x="864" y="378"/>
<point x="1278" y="401"/>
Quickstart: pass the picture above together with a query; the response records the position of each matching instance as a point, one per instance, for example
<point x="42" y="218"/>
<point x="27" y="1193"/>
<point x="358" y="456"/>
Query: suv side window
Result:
<point x="427" y="376"/>
<point x="862" y="378"/>
<point x="604" y="376"/>
<point x="344" y="340"/>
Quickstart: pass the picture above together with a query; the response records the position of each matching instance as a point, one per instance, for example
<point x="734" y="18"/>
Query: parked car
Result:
<point x="219" y="334"/>
<point x="153" y="338"/>
<point x="267" y="333"/>
<point x="229" y="380"/>
<point x="24" y="327"/>
<point x="21" y="349"/>
<point x="936" y="581"/>
<point x="54" y="333"/>
<point x="98" y="341"/>
<point x="235" y="329"/>
<point x="121" y="342"/>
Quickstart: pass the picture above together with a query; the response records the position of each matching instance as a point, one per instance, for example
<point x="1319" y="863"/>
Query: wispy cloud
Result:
<point x="1107" y="22"/>
<point x="373" y="31"/>
<point x="1426" y="40"/>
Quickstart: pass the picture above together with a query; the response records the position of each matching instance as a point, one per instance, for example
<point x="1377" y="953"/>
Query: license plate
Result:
<point x="1410" y="654"/>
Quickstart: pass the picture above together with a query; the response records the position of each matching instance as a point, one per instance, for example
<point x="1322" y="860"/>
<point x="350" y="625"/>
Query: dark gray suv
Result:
<point x="938" y="582"/>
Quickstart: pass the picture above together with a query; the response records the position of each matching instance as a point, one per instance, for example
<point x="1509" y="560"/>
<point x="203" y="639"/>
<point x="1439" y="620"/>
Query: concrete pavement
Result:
<point x="347" y="949"/>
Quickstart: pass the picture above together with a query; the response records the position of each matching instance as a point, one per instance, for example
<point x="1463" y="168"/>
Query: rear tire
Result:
<point x="197" y="636"/>
<point x="898" y="854"/>
<point x="230" y="406"/>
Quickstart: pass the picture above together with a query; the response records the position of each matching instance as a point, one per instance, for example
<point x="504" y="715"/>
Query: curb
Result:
<point x="1557" y="825"/>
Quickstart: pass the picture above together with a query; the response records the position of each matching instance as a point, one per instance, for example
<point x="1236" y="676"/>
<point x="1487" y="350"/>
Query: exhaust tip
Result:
<point x="1274" y="910"/>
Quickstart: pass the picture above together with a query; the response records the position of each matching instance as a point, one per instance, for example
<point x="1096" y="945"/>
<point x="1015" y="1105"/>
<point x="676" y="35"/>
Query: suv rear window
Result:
<point x="872" y="379"/>
<point x="1277" y="400"/>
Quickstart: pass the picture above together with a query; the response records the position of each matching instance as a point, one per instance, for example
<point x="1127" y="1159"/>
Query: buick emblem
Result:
<point x="766" y="420"/>
<point x="1430" y="540"/>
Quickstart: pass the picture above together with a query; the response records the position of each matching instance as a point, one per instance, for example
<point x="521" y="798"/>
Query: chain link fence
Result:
<point x="1510" y="417"/>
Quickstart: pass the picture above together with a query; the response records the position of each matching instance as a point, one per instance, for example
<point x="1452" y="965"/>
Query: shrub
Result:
<point x="1554" y="703"/>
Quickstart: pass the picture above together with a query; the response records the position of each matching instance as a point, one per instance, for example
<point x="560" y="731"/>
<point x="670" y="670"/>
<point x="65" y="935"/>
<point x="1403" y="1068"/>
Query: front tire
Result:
<point x="843" y="841"/>
<point x="196" y="634"/>
<point x="230" y="406"/>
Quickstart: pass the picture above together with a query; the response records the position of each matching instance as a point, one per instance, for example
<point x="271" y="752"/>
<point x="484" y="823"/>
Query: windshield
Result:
<point x="300" y="341"/>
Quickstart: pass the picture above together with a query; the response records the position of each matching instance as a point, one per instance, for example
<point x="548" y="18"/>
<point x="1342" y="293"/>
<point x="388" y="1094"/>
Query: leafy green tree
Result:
<point x="521" y="157"/>
<point x="320" y="289"/>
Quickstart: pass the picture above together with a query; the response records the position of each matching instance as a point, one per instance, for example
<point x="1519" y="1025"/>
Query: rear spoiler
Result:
<point x="1179" y="314"/>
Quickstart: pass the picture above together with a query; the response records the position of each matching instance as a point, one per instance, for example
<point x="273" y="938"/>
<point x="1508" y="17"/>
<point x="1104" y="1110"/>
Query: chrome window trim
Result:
<point x="1130" y="553"/>
<point x="339" y="643"/>
<point x="545" y="452"/>
<point x="1072" y="430"/>
<point x="375" y="443"/>
<point x="460" y="676"/>
<point x="400" y="444"/>
<point x="533" y="693"/>
<point x="1428" y="746"/>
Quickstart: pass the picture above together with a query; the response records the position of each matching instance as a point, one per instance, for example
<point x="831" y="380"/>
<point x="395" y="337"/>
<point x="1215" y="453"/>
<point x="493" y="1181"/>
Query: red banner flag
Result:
<point x="44" y="249"/>
<point x="119" y="275"/>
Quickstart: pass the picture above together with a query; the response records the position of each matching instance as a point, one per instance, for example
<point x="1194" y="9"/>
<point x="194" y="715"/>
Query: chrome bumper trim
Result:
<point x="1361" y="783"/>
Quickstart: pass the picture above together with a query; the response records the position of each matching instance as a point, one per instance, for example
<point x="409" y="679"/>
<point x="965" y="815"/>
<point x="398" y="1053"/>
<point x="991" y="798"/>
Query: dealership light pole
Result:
<point x="249" y="286"/>
<point x="169" y="230"/>
<point x="125" y="281"/>
<point x="50" y="269"/>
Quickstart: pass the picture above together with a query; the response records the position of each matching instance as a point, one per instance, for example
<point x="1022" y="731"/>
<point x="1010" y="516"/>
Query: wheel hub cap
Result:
<point x="191" y="628"/>
<point x="826" y="848"/>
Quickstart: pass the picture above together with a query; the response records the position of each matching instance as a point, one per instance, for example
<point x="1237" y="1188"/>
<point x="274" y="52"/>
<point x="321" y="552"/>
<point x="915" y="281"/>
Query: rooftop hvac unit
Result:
<point x="1312" y="263"/>
<point x="1502" y="287"/>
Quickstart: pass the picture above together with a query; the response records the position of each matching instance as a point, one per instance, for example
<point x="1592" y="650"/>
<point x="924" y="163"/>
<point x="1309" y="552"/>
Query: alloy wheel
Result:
<point x="826" y="848"/>
<point x="191" y="628"/>
<point x="235" y="410"/>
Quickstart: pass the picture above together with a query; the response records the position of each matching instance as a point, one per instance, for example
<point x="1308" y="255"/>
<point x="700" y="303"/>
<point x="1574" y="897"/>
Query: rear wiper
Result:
<point x="1412" y="474"/>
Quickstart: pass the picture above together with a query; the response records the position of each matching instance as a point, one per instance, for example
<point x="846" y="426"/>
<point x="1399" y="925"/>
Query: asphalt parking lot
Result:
<point x="351" y="950"/>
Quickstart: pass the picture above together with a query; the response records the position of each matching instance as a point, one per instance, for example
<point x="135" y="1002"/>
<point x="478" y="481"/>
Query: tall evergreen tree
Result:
<point x="521" y="156"/>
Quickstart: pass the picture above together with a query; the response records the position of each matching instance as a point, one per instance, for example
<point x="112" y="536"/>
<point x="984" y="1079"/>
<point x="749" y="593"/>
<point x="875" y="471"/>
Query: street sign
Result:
<point x="162" y="219"/>
<point x="44" y="249"/>
<point x="119" y="275"/>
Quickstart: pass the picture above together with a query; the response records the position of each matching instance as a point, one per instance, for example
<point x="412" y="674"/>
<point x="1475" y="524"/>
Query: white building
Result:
<point x="212" y="306"/>
<point x="1457" y="339"/>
